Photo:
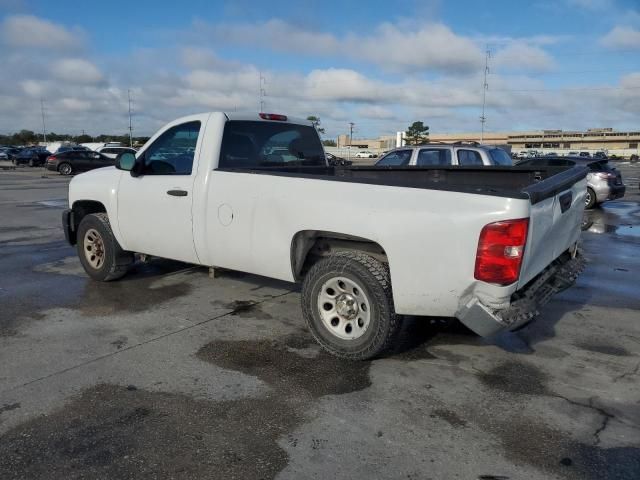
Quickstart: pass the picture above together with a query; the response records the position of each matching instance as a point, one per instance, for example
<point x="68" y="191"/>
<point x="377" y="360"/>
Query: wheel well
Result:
<point x="308" y="246"/>
<point x="82" y="208"/>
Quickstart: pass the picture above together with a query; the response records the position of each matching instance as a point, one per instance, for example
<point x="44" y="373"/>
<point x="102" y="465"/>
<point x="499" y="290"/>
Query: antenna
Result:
<point x="130" y="124"/>
<point x="263" y="92"/>
<point x="44" y="128"/>
<point x="485" y="87"/>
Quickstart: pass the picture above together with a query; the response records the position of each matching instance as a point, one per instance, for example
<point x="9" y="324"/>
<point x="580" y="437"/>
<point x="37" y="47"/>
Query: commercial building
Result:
<point x="559" y="141"/>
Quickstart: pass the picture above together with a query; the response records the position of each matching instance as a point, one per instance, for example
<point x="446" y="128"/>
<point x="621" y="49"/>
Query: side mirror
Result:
<point x="125" y="161"/>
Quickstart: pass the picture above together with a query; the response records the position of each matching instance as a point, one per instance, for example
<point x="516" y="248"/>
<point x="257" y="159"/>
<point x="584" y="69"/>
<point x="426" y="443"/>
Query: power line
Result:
<point x="262" y="91"/>
<point x="130" y="123"/>
<point x="44" y="128"/>
<point x="485" y="87"/>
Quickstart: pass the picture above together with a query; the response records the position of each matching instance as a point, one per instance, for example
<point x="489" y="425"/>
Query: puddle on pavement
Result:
<point x="604" y="349"/>
<point x="277" y="363"/>
<point x="556" y="453"/>
<point x="516" y="378"/>
<point x="243" y="309"/>
<point x="123" y="432"/>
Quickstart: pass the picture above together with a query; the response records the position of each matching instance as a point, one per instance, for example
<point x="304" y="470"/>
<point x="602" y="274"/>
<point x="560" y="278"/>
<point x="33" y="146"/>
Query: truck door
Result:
<point x="154" y="209"/>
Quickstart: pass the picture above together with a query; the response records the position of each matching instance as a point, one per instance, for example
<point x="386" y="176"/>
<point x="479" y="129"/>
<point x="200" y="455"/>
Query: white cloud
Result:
<point x="622" y="37"/>
<point x="432" y="46"/>
<point x="522" y="56"/>
<point x="77" y="71"/>
<point x="33" y="32"/>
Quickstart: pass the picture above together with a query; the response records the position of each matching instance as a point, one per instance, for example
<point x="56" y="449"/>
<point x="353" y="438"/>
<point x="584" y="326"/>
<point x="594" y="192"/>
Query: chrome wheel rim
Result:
<point x="94" y="248"/>
<point x="344" y="308"/>
<point x="65" y="169"/>
<point x="587" y="199"/>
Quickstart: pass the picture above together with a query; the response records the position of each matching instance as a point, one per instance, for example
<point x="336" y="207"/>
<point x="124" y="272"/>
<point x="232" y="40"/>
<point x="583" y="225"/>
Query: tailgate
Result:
<point x="557" y="206"/>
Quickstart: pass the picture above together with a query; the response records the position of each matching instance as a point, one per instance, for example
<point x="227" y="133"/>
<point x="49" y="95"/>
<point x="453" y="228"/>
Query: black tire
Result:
<point x="373" y="276"/>
<point x="116" y="261"/>
<point x="590" y="202"/>
<point x="32" y="162"/>
<point x="65" y="169"/>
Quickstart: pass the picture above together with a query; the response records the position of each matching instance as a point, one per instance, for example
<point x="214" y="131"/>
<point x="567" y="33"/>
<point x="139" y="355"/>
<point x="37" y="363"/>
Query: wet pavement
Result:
<point x="171" y="374"/>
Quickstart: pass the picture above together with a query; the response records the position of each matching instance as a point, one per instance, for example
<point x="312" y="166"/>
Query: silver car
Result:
<point x="445" y="154"/>
<point x="604" y="182"/>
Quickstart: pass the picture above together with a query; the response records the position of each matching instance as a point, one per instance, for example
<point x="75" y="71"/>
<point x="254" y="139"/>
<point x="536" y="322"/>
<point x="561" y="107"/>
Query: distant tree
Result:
<point x="316" y="123"/>
<point x="417" y="134"/>
<point x="25" y="137"/>
<point x="83" y="139"/>
<point x="329" y="143"/>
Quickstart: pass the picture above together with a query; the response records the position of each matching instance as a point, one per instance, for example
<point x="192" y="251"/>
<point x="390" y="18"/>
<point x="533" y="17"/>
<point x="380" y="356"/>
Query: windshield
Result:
<point x="500" y="157"/>
<point x="247" y="144"/>
<point x="396" y="158"/>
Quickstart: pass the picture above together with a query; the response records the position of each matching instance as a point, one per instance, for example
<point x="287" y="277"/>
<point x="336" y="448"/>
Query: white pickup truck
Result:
<point x="253" y="193"/>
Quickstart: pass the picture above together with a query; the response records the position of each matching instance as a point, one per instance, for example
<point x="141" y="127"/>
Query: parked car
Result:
<point x="334" y="161"/>
<point x="368" y="244"/>
<point x="439" y="154"/>
<point x="73" y="161"/>
<point x="604" y="182"/>
<point x="34" y="157"/>
<point x="584" y="154"/>
<point x="113" y="152"/>
<point x="551" y="154"/>
<point x="70" y="148"/>
<point x="600" y="156"/>
<point x="365" y="154"/>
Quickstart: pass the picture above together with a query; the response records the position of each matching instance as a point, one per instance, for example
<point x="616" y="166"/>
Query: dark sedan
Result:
<point x="34" y="157"/>
<point x="73" y="161"/>
<point x="604" y="182"/>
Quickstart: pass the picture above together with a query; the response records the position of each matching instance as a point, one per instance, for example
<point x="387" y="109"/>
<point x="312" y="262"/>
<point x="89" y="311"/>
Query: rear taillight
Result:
<point x="605" y="175"/>
<point x="51" y="158"/>
<point x="273" y="116"/>
<point x="500" y="250"/>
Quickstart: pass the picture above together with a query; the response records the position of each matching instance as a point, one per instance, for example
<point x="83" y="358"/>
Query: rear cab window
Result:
<point x="251" y="144"/>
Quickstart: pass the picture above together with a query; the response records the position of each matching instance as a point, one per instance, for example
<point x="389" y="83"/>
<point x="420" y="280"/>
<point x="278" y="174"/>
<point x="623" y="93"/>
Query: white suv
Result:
<point x="440" y="154"/>
<point x="113" y="152"/>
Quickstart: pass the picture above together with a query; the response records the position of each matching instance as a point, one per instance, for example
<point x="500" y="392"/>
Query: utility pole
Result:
<point x="44" y="128"/>
<point x="485" y="87"/>
<point x="130" y="124"/>
<point x="262" y="91"/>
<point x="351" y="124"/>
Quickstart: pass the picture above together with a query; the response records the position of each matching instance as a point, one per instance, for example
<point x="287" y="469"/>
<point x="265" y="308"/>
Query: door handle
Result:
<point x="177" y="193"/>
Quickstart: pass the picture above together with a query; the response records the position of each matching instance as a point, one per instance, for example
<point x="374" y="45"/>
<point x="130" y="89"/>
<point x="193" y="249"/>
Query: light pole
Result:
<point x="351" y="124"/>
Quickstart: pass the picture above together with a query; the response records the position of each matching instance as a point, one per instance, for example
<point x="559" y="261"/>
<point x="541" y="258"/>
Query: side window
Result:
<point x="172" y="153"/>
<point x="397" y="158"/>
<point x="431" y="157"/>
<point x="469" y="157"/>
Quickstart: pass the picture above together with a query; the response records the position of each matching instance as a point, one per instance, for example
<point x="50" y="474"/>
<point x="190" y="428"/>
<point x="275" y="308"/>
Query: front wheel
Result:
<point x="348" y="305"/>
<point x="65" y="169"/>
<point x="100" y="253"/>
<point x="590" y="199"/>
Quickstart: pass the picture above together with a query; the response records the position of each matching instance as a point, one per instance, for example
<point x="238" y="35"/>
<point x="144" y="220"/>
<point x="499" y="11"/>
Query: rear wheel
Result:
<point x="348" y="305"/>
<point x="100" y="253"/>
<point x="65" y="169"/>
<point x="590" y="199"/>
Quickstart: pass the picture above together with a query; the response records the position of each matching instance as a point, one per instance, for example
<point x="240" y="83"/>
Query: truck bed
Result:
<point x="535" y="184"/>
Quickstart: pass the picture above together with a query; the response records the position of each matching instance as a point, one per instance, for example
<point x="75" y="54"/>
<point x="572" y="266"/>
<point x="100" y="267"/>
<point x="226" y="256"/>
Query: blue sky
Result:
<point x="568" y="64"/>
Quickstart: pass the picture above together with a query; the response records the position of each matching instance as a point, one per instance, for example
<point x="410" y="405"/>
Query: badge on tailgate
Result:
<point x="565" y="201"/>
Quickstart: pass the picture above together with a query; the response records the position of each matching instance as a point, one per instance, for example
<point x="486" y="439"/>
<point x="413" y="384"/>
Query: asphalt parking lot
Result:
<point x="169" y="373"/>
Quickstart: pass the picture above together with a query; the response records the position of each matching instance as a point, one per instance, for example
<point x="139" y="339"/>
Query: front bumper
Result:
<point x="525" y="302"/>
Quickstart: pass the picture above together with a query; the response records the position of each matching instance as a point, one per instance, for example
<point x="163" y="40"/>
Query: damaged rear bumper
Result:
<point x="525" y="302"/>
